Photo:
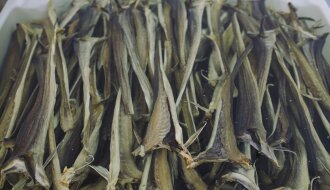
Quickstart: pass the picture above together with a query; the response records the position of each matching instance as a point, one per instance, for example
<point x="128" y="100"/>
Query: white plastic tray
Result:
<point x="16" y="11"/>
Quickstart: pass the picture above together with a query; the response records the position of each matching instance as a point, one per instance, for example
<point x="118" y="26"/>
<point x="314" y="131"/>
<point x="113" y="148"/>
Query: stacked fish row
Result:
<point x="170" y="94"/>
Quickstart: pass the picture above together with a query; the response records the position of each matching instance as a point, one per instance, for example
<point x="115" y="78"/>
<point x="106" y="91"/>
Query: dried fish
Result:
<point x="84" y="49"/>
<point x="75" y="7"/>
<point x="191" y="177"/>
<point x="92" y="131"/>
<point x="143" y="80"/>
<point x="314" y="146"/>
<point x="264" y="44"/>
<point x="55" y="163"/>
<point x="248" y="90"/>
<point x="31" y="137"/>
<point x="159" y="124"/>
<point x="141" y="36"/>
<point x="65" y="109"/>
<point x="128" y="167"/>
<point x="222" y="145"/>
<point x="10" y="113"/>
<point x="180" y="25"/>
<point x="298" y="165"/>
<point x="114" y="167"/>
<point x="122" y="67"/>
<point x="151" y="23"/>
<point x="195" y="22"/>
<point x="9" y="71"/>
<point x="162" y="170"/>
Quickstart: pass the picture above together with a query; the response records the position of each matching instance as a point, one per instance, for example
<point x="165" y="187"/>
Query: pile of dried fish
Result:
<point x="170" y="94"/>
